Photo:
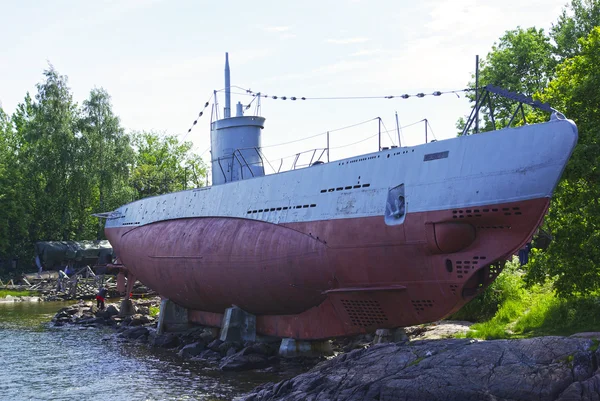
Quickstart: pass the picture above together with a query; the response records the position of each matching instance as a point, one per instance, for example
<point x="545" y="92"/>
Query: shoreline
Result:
<point x="195" y="344"/>
<point x="423" y="364"/>
<point x="24" y="298"/>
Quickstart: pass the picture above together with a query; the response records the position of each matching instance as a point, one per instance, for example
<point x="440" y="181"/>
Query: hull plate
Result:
<point x="328" y="278"/>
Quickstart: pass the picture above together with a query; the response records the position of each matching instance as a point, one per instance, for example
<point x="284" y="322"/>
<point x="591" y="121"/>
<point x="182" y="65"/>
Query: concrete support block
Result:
<point x="390" y="336"/>
<point x="172" y="317"/>
<point x="130" y="283"/>
<point x="121" y="285"/>
<point x="127" y="308"/>
<point x="291" y="348"/>
<point x="238" y="325"/>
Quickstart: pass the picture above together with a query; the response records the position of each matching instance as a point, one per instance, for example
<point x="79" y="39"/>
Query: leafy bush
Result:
<point x="550" y="315"/>
<point x="508" y="286"/>
<point x="511" y="309"/>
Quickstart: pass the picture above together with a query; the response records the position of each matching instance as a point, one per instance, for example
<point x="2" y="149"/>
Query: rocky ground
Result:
<point x="421" y="362"/>
<point x="196" y="344"/>
<point x="544" y="368"/>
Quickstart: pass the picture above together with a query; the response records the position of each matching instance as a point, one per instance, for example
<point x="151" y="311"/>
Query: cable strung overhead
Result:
<point x="256" y="95"/>
<point x="402" y="96"/>
<point x="200" y="114"/>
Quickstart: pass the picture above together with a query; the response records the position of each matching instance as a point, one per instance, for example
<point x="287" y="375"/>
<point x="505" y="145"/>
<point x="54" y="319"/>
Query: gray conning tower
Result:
<point x="235" y="142"/>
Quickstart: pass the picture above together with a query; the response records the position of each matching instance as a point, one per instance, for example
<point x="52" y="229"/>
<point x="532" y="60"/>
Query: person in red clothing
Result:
<point x="100" y="298"/>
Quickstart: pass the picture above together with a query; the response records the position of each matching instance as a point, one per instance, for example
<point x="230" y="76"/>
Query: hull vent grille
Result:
<point x="495" y="270"/>
<point x="421" y="304"/>
<point x="364" y="313"/>
<point x="508" y="211"/>
<point x="464" y="267"/>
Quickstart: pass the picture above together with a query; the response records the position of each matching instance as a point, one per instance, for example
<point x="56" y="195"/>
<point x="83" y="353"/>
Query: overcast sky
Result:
<point x="161" y="60"/>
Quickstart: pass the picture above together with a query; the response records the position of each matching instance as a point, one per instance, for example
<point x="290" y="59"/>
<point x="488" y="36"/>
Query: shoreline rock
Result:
<point x="199" y="344"/>
<point x="542" y="368"/>
<point x="419" y="368"/>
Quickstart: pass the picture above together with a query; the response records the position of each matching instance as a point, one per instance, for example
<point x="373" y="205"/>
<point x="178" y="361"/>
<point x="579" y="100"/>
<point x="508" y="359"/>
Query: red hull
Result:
<point x="328" y="278"/>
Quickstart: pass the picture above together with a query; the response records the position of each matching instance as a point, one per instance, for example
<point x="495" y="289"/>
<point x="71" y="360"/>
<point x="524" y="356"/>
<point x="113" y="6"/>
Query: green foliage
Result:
<point x="106" y="157"/>
<point x="573" y="258"/>
<point x="524" y="60"/>
<point x="164" y="165"/>
<point x="555" y="316"/>
<point x="14" y="197"/>
<point x="576" y="21"/>
<point x="47" y="157"/>
<point x="507" y="286"/>
<point x="565" y="74"/>
<point x="14" y="293"/>
<point x="520" y="62"/>
<point x="154" y="311"/>
<point x="59" y="163"/>
<point x="537" y="311"/>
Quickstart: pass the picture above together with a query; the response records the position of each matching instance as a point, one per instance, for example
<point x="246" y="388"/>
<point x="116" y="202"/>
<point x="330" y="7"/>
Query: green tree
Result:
<point x="573" y="258"/>
<point x="164" y="165"/>
<point x="19" y="195"/>
<point x="11" y="224"/>
<point x="59" y="164"/>
<point x="195" y="171"/>
<point x="106" y="158"/>
<point x="520" y="62"/>
<point x="576" y="22"/>
<point x="15" y="216"/>
<point x="49" y="157"/>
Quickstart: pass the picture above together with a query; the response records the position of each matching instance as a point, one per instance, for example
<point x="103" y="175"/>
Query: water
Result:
<point x="41" y="362"/>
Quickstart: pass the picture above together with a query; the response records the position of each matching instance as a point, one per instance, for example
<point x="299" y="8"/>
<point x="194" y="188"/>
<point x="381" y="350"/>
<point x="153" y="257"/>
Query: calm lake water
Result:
<point x="41" y="362"/>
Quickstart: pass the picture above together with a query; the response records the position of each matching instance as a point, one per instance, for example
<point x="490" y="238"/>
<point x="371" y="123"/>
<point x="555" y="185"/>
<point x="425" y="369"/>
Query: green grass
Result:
<point x="554" y="316"/>
<point x="508" y="309"/>
<point x="508" y="286"/>
<point x="540" y="312"/>
<point x="4" y="293"/>
<point x="154" y="311"/>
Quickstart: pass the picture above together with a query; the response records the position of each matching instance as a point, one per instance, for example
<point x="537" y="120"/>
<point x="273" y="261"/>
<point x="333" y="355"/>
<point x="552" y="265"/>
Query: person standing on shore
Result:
<point x="100" y="297"/>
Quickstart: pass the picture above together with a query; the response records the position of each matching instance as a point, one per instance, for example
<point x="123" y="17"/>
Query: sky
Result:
<point x="161" y="61"/>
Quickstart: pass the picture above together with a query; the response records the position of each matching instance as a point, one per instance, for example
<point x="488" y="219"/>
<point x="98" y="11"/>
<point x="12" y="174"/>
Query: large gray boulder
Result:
<point x="254" y="356"/>
<point x="239" y="362"/>
<point x="167" y="340"/>
<point x="544" y="369"/>
<point x="112" y="310"/>
<point x="191" y="350"/>
<point x="134" y="333"/>
<point x="139" y="319"/>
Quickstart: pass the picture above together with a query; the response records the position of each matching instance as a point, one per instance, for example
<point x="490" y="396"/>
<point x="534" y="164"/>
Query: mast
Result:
<point x="398" y="129"/>
<point x="477" y="94"/>
<point x="235" y="141"/>
<point x="227" y="88"/>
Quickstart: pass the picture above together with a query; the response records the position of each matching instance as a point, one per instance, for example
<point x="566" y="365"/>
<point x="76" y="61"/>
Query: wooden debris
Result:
<point x="83" y="284"/>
